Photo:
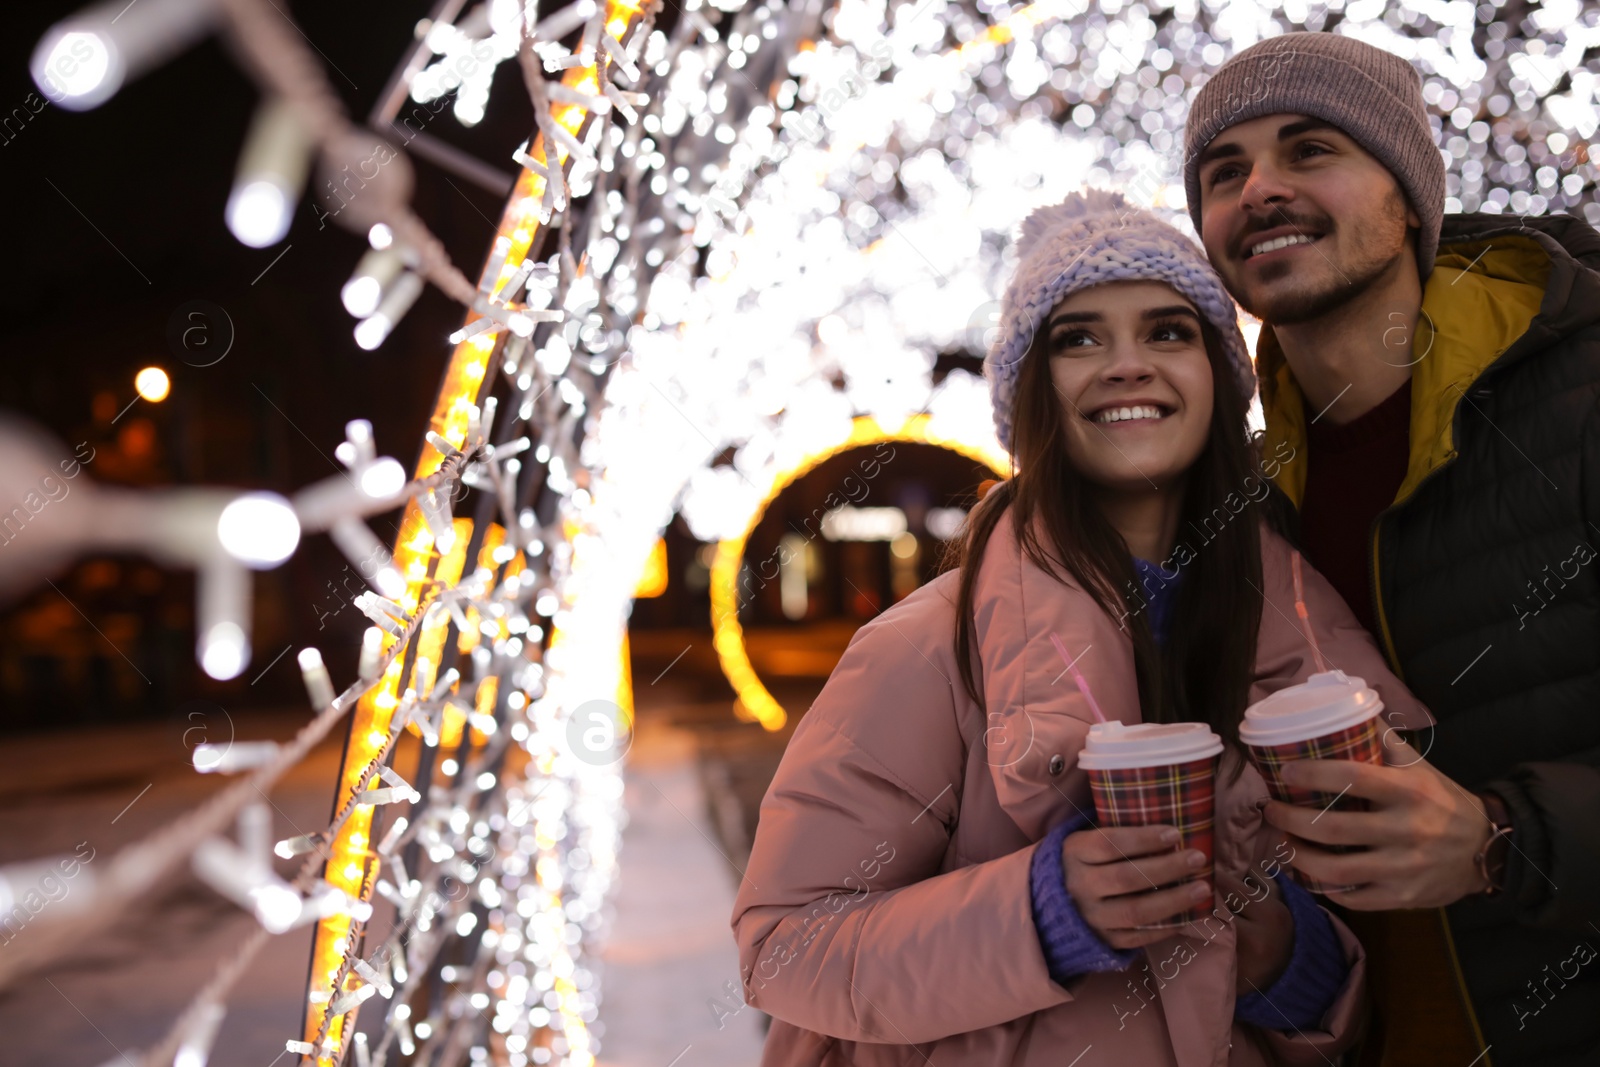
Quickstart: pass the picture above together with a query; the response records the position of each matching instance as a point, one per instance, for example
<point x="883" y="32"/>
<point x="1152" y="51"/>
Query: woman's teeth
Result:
<point x="1123" y="414"/>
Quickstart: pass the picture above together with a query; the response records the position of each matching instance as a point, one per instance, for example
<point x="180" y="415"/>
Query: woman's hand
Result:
<point x="1265" y="929"/>
<point x="1122" y="878"/>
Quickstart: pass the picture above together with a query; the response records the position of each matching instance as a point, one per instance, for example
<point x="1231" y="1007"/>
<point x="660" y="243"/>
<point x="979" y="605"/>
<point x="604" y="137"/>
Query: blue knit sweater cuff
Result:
<point x="1316" y="973"/>
<point x="1071" y="947"/>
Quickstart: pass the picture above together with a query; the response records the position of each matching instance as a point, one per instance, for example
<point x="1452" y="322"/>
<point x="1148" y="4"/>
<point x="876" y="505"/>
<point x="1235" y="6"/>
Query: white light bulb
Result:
<point x="360" y="295"/>
<point x="383" y="478"/>
<point x="390" y="583"/>
<point x="77" y="70"/>
<point x="505" y="16"/>
<point x="259" y="529"/>
<point x="224" y="651"/>
<point x="370" y="332"/>
<point x="380" y="236"/>
<point x="371" y="652"/>
<point x="398" y="296"/>
<point x="277" y="907"/>
<point x="272" y="171"/>
<point x="258" y="213"/>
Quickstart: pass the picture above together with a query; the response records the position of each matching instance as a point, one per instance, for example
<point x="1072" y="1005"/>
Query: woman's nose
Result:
<point x="1128" y="364"/>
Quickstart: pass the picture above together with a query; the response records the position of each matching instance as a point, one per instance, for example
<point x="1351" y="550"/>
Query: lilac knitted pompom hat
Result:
<point x="1088" y="239"/>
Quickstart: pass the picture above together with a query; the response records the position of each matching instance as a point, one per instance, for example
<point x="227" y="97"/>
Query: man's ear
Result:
<point x="1413" y="220"/>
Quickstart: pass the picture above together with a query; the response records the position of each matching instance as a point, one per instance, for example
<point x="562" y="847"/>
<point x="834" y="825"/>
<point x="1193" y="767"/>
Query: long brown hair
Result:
<point x="1203" y="673"/>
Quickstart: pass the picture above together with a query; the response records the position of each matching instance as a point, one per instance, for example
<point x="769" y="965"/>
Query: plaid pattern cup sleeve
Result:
<point x="1182" y="795"/>
<point x="1361" y="742"/>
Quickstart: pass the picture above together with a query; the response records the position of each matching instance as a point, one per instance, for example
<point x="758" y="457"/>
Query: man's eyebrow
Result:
<point x="1215" y="150"/>
<point x="1295" y="129"/>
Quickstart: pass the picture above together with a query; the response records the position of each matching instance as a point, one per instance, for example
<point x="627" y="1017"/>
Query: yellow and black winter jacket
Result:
<point x="1485" y="578"/>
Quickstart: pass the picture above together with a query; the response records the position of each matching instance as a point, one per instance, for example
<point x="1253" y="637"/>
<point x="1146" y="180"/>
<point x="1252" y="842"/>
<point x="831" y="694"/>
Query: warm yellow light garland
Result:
<point x="352" y="863"/>
<point x="754" y="702"/>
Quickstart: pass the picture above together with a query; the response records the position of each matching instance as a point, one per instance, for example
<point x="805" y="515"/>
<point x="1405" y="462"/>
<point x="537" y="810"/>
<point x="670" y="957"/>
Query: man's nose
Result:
<point x="1265" y="189"/>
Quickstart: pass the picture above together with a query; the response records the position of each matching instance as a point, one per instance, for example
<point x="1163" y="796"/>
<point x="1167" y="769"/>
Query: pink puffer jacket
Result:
<point x="885" y="919"/>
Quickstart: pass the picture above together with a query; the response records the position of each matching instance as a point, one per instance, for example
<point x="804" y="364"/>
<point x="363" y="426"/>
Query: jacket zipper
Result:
<point x="1372" y="563"/>
<point x="1394" y="662"/>
<point x="1373" y="591"/>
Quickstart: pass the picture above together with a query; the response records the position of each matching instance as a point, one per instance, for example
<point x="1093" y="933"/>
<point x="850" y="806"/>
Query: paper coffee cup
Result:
<point x="1148" y="774"/>
<point x="1331" y="715"/>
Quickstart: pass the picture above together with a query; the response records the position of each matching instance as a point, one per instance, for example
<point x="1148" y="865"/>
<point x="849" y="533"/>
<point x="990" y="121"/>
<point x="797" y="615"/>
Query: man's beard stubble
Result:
<point x="1349" y="284"/>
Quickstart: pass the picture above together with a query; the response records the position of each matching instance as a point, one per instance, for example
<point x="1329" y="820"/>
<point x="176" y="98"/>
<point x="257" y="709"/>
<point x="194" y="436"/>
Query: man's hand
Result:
<point x="1421" y="836"/>
<point x="1265" y="929"/>
<point x="1121" y="879"/>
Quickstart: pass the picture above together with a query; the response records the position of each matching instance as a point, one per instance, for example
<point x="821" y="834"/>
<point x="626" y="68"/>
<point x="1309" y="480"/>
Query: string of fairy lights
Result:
<point x="738" y="229"/>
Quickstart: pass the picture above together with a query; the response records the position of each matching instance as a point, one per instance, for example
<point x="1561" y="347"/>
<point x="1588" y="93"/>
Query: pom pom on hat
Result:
<point x="1084" y="207"/>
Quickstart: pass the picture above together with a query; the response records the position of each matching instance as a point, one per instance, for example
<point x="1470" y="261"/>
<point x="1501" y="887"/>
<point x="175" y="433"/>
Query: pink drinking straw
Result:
<point x="1077" y="676"/>
<point x="1305" y="616"/>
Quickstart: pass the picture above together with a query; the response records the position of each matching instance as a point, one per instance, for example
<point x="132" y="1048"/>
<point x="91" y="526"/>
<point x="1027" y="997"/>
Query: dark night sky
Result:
<point x="150" y="170"/>
<point x="114" y="219"/>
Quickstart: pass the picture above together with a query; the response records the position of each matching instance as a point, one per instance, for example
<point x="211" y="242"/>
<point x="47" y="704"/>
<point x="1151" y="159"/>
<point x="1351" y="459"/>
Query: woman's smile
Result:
<point x="1130" y="414"/>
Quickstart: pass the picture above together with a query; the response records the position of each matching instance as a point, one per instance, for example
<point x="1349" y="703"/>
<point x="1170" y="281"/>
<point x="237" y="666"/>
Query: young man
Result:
<point x="1439" y="381"/>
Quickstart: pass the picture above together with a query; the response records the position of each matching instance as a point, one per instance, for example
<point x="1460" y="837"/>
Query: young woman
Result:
<point x="926" y="884"/>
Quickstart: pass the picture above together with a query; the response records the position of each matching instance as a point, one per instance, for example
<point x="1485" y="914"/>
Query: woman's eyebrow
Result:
<point x="1075" y="316"/>
<point x="1149" y="313"/>
<point x="1175" y="309"/>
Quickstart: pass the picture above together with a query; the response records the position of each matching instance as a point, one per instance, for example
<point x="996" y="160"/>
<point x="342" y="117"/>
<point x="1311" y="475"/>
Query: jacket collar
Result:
<point x="1499" y="291"/>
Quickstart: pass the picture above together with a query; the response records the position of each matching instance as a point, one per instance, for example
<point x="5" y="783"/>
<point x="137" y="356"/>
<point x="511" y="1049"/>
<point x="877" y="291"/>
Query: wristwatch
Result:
<point x="1491" y="859"/>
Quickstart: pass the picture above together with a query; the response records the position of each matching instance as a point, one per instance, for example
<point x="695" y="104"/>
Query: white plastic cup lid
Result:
<point x="1323" y="704"/>
<point x="1115" y="745"/>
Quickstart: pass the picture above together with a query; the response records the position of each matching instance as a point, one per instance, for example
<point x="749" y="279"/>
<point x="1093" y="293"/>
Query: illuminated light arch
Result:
<point x="352" y="862"/>
<point x="754" y="702"/>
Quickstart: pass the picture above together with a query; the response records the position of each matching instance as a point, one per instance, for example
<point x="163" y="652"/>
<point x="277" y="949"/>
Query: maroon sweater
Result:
<point x="1353" y="472"/>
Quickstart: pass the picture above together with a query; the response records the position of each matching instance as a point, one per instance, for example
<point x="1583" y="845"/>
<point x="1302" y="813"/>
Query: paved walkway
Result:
<point x="671" y="972"/>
